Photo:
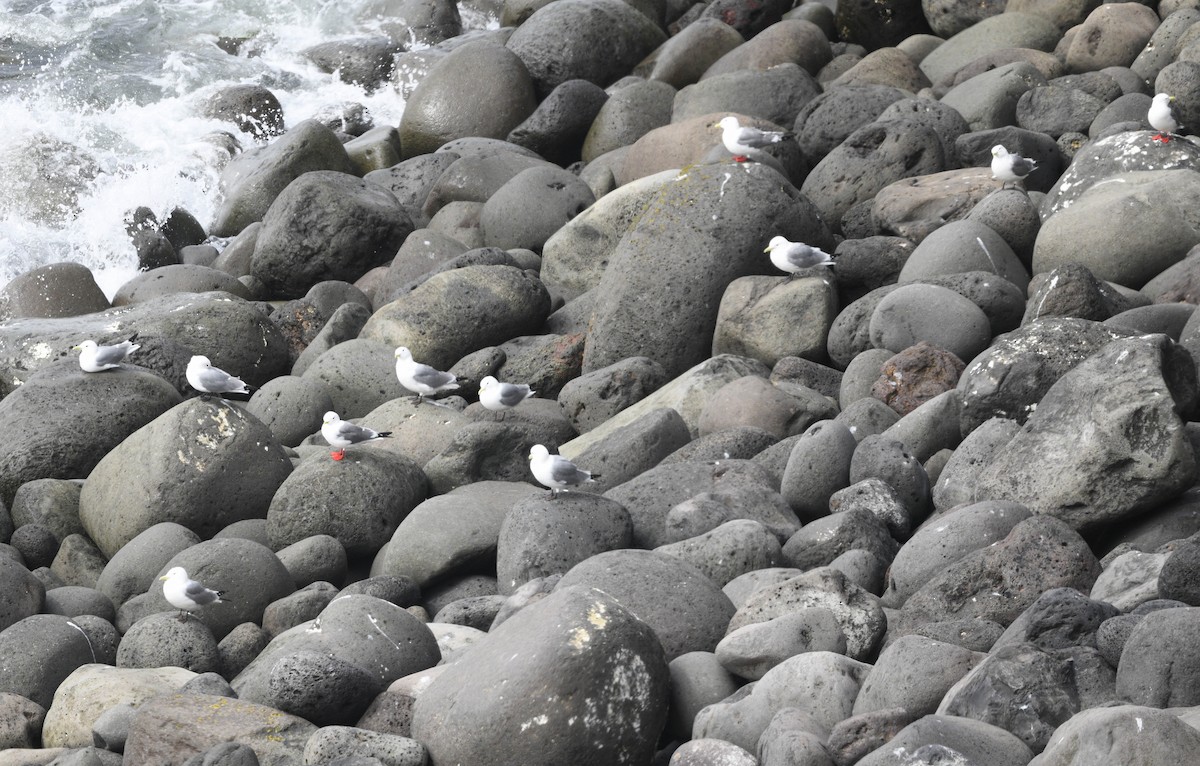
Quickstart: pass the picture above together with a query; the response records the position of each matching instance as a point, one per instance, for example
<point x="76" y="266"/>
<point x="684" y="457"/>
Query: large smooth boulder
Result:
<point x="456" y="312"/>
<point x="63" y="421"/>
<point x="203" y="464"/>
<point x="254" y="179"/>
<point x="683" y="237"/>
<point x="572" y="678"/>
<point x="478" y="89"/>
<point x="594" y="40"/>
<point x="326" y="225"/>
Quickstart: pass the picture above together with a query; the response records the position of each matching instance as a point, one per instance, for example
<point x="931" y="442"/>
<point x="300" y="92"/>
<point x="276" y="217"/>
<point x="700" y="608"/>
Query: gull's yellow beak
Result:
<point x="164" y="577"/>
<point x="767" y="249"/>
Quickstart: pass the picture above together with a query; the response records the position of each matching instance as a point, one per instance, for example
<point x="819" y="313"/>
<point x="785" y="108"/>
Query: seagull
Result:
<point x="495" y="395"/>
<point x="185" y="594"/>
<point x="203" y="377"/>
<point x="419" y="378"/>
<point x="555" y="471"/>
<point x="1163" y="117"/>
<point x="1007" y="166"/>
<point x="743" y="141"/>
<point x="341" y="434"/>
<point x="794" y="256"/>
<point x="96" y="358"/>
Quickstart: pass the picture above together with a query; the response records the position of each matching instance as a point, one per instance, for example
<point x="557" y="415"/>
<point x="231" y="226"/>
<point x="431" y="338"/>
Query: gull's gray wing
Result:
<point x="427" y="376"/>
<point x="111" y="354"/>
<point x="217" y="381"/>
<point x="354" y="433"/>
<point x="511" y="395"/>
<point x="566" y="472"/>
<point x="1022" y="166"/>
<point x="200" y="594"/>
<point x="758" y="138"/>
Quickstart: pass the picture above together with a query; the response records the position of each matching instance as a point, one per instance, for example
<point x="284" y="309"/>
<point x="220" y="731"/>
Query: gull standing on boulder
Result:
<point x="742" y="141"/>
<point x="185" y="594"/>
<point x="421" y="379"/>
<point x="497" y="396"/>
<point x="795" y="256"/>
<point x="555" y="471"/>
<point x="1163" y="117"/>
<point x="96" y="358"/>
<point x="1008" y="166"/>
<point x="205" y="378"/>
<point x="340" y="434"/>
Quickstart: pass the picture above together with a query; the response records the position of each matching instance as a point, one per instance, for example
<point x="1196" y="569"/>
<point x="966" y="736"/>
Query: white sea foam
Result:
<point x="100" y="118"/>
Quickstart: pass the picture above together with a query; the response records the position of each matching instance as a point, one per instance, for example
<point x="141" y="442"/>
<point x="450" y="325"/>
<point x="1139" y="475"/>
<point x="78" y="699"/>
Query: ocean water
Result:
<point x="98" y="111"/>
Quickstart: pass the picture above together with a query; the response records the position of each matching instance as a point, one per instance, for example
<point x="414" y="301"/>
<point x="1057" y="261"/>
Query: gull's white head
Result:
<point x="199" y="361"/>
<point x="330" y="417"/>
<point x="729" y="123"/>
<point x="175" y="573"/>
<point x="487" y="383"/>
<point x="539" y="452"/>
<point x="999" y="151"/>
<point x="403" y="353"/>
<point x="775" y="242"/>
<point x="87" y="345"/>
<point x="1163" y="98"/>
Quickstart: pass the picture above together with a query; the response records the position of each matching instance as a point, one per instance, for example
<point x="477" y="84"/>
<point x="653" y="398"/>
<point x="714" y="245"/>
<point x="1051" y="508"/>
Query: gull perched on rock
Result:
<point x="495" y="395"/>
<point x="742" y="141"/>
<point x="205" y="378"/>
<point x="1008" y="166"/>
<point x="185" y="594"/>
<point x="795" y="256"/>
<point x="419" y="378"/>
<point x="555" y="471"/>
<point x="341" y="434"/>
<point x="96" y="358"/>
<point x="1163" y="116"/>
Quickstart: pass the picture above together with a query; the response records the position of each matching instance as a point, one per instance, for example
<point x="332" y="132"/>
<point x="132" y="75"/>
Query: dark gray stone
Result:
<point x="162" y="640"/>
<point x="557" y="127"/>
<point x="472" y="712"/>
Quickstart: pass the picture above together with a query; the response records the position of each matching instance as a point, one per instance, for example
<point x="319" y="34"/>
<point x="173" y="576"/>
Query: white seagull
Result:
<point x="96" y="358"/>
<point x="795" y="256"/>
<point x="203" y="377"/>
<point x="1163" y="116"/>
<point x="495" y="395"/>
<point x="742" y="141"/>
<point x="341" y="434"/>
<point x="555" y="471"/>
<point x="185" y="594"/>
<point x="419" y="378"/>
<point x="1008" y="166"/>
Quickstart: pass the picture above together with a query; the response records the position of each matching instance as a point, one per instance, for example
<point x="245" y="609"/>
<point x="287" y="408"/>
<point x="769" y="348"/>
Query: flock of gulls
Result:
<point x="552" y="471"/>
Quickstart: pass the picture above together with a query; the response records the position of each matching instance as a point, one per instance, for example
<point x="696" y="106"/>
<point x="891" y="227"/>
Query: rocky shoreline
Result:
<point x="935" y="505"/>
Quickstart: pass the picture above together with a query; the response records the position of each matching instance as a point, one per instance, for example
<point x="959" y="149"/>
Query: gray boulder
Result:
<point x="1073" y="456"/>
<point x="594" y="40"/>
<point x="914" y="673"/>
<point x="358" y="376"/>
<point x="456" y="312"/>
<point x="551" y="664"/>
<point x="359" y="501"/>
<point x="326" y="225"/>
<point x="685" y="609"/>
<point x="333" y="666"/>
<point x="869" y="159"/>
<point x="947" y="739"/>
<point x="532" y="206"/>
<point x="639" y="314"/>
<point x="1120" y="734"/>
<point x="38" y="652"/>
<point x="202" y="464"/>
<point x="27" y="594"/>
<point x="435" y="112"/>
<point x="450" y="533"/>
<point x="253" y="180"/>
<point x="79" y="417"/>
